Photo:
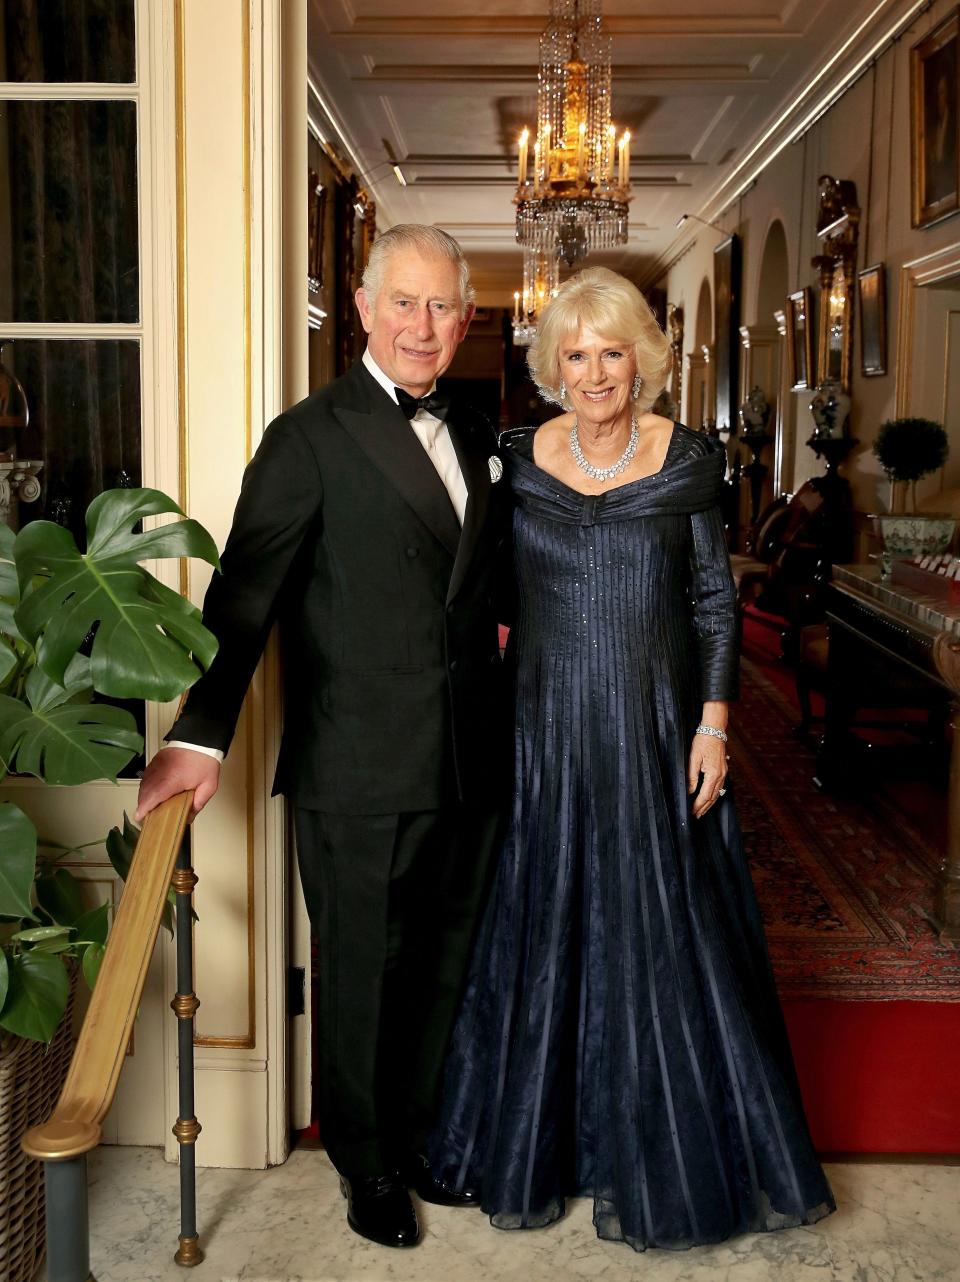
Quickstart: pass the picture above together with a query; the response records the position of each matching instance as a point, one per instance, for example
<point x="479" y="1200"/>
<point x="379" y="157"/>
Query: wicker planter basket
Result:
<point x="31" y="1076"/>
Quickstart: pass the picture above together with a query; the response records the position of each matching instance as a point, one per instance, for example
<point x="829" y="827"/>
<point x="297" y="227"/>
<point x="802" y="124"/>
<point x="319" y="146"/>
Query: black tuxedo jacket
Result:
<point x="393" y="685"/>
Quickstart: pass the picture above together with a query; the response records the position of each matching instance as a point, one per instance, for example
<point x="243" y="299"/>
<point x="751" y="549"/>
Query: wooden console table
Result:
<point x="874" y="628"/>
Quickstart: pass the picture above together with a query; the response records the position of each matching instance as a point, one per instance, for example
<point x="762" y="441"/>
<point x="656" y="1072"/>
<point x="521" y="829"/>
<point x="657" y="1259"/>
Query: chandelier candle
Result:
<point x="524" y="140"/>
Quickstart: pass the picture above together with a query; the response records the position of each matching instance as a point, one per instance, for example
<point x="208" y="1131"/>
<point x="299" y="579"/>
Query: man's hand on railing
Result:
<point x="175" y="770"/>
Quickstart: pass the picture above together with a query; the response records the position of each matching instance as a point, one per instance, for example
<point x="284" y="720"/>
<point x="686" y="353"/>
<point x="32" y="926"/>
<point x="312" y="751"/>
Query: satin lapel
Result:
<point x="390" y="444"/>
<point x="473" y="457"/>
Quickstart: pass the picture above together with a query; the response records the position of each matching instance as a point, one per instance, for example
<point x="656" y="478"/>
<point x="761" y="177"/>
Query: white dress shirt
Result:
<point x="434" y="435"/>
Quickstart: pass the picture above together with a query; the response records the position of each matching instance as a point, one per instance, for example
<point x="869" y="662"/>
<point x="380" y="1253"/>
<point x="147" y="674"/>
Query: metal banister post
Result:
<point x="185" y="1005"/>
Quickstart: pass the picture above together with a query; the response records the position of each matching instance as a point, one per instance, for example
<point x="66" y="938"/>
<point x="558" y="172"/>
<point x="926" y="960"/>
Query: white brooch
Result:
<point x="496" y="468"/>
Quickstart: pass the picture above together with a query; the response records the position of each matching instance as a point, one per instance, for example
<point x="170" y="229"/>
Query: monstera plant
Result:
<point x="73" y="626"/>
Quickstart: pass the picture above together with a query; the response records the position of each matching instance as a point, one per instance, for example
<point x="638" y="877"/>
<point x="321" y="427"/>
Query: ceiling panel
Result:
<point x="447" y="88"/>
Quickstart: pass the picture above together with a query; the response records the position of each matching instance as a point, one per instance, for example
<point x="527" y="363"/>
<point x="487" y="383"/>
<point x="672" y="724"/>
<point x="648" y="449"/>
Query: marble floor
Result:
<point x="897" y="1222"/>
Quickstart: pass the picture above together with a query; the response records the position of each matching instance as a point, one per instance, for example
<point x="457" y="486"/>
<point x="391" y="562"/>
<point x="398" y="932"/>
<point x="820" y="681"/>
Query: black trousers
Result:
<point x="393" y="902"/>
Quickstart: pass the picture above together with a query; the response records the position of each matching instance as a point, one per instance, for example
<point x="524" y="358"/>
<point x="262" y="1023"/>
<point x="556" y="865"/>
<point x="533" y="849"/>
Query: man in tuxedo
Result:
<point x="370" y="527"/>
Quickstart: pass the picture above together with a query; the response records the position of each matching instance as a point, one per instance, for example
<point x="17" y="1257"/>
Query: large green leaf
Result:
<point x="8" y="657"/>
<point x="147" y="645"/>
<point x="92" y="960"/>
<point x="9" y="600"/>
<point x="58" y="894"/>
<point x="62" y="738"/>
<point x="92" y="927"/>
<point x="37" y="996"/>
<point x="9" y="583"/>
<point x="18" y="860"/>
<point x="41" y="934"/>
<point x="121" y="843"/>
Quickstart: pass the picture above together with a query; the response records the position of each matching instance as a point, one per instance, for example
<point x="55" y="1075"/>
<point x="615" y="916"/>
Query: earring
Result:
<point x="637" y="384"/>
<point x="562" y="391"/>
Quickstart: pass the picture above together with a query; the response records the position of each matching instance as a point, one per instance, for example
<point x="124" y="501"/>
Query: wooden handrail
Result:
<point x="75" y="1125"/>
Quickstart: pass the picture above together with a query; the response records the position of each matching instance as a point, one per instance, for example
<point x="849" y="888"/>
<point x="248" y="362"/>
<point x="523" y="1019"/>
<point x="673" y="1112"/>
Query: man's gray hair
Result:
<point x="427" y="240"/>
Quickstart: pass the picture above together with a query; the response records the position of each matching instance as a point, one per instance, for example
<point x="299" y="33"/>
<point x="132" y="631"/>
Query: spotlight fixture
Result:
<point x="697" y="219"/>
<point x="394" y="162"/>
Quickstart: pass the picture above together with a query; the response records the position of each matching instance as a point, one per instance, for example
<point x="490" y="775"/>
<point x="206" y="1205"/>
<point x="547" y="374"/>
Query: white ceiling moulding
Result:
<point x="423" y="160"/>
<point x="480" y="180"/>
<point x="885" y="23"/>
<point x="673" y="26"/>
<point x="327" y="128"/>
<point x="324" y="124"/>
<point x="423" y="74"/>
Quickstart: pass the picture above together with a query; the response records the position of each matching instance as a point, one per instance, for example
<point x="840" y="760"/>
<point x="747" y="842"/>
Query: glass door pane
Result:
<point x="68" y="212"/>
<point x="67" y="40"/>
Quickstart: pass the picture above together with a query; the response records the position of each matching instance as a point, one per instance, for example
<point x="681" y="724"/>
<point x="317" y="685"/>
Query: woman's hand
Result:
<point x="708" y="756"/>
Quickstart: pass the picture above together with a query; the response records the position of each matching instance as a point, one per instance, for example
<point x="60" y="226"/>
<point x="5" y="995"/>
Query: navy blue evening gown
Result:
<point x="620" y="1035"/>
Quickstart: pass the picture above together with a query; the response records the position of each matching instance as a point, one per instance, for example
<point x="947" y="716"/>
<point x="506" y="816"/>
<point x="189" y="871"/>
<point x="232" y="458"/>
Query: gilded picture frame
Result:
<point x="872" y="288"/>
<point x="316" y="207"/>
<point x="935" y="123"/>
<point x="799" y="311"/>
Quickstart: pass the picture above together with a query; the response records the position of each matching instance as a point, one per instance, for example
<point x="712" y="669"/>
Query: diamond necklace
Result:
<point x="603" y="473"/>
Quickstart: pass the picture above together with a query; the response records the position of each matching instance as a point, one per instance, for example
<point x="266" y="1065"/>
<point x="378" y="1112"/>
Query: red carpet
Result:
<point x="872" y="999"/>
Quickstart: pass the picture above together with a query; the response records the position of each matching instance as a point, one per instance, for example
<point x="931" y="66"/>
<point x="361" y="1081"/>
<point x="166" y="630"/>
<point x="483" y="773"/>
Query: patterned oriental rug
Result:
<point x="846" y="887"/>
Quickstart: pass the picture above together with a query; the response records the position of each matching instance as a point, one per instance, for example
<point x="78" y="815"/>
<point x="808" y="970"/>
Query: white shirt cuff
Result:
<point x="195" y="747"/>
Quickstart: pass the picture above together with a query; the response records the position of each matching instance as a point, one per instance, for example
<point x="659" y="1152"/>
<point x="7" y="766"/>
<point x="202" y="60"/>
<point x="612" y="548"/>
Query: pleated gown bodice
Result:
<point x="620" y="1034"/>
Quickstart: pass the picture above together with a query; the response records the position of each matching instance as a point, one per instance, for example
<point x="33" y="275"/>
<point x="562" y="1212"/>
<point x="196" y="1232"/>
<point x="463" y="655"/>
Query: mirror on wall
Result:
<point x="837" y="224"/>
<point x="837" y="328"/>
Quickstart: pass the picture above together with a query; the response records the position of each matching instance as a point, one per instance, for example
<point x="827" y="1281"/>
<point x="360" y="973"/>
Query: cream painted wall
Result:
<point x="243" y="358"/>
<point x="865" y="137"/>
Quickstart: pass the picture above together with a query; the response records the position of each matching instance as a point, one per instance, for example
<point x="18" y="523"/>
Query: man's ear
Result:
<point x="468" y="316"/>
<point x="365" y="310"/>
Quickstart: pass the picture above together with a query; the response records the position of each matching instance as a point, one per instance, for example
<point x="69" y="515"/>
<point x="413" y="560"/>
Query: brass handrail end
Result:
<point x="60" y="1139"/>
<point x="188" y="1253"/>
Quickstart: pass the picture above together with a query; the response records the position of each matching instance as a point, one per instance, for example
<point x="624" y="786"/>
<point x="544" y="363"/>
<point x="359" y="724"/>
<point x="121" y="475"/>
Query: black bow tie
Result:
<point x="434" y="403"/>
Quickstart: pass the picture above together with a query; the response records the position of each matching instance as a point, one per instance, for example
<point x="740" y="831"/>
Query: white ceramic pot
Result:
<point x="910" y="534"/>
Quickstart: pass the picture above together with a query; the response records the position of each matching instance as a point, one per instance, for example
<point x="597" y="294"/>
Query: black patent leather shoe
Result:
<point x="431" y="1188"/>
<point x="379" y="1208"/>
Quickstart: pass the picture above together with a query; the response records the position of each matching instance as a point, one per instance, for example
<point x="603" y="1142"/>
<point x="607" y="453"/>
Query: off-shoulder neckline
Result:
<point x="584" y="494"/>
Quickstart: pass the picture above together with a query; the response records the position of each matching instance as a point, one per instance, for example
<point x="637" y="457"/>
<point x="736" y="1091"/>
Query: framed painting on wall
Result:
<point x="800" y="339"/>
<point x="935" y="132"/>
<point x="872" y="282"/>
<point x="316" y="206"/>
<point x="726" y="328"/>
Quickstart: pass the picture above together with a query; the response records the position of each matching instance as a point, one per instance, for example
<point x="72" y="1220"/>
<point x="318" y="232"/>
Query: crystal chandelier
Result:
<point x="573" y="197"/>
<point x="541" y="280"/>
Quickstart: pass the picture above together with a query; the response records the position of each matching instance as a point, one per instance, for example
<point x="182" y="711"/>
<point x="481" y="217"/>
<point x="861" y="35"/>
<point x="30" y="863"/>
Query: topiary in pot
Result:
<point x="908" y="449"/>
<point x="147" y="643"/>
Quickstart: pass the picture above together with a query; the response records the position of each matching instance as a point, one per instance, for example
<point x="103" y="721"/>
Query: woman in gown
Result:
<point x="620" y="1035"/>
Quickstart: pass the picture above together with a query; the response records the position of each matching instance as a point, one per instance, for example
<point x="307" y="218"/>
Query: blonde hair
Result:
<point x="426" y="240"/>
<point x="612" y="306"/>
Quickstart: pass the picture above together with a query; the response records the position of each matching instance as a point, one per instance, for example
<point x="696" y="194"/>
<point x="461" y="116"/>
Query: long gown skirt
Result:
<point x="620" y="1035"/>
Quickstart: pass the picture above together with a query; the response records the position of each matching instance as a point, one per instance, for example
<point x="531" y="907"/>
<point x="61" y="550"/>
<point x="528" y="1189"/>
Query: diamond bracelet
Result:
<point x="712" y="730"/>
